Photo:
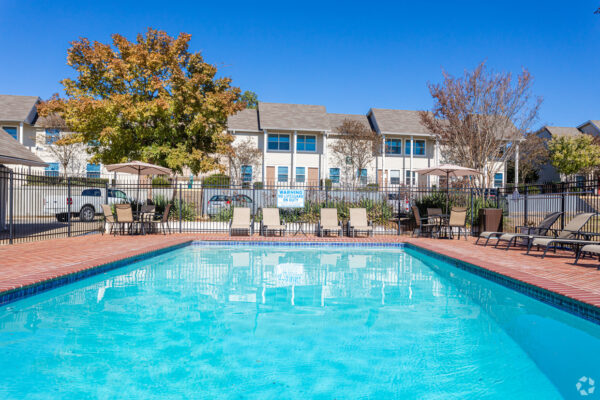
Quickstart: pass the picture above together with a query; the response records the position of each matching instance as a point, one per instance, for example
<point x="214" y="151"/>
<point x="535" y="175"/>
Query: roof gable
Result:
<point x="245" y="120"/>
<point x="13" y="152"/>
<point x="18" y="108"/>
<point x="335" y="120"/>
<point x="397" y="121"/>
<point x="292" y="116"/>
<point x="560" y="131"/>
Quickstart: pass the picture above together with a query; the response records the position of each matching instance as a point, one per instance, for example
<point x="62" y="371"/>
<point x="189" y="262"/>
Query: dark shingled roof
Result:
<point x="562" y="130"/>
<point x="336" y="120"/>
<point x="292" y="116"/>
<point x="13" y="152"/>
<point x="245" y="120"/>
<point x="398" y="121"/>
<point x="18" y="108"/>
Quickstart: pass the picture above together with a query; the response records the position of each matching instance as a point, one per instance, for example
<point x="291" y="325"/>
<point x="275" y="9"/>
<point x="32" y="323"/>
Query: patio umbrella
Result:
<point x="449" y="171"/>
<point x="138" y="168"/>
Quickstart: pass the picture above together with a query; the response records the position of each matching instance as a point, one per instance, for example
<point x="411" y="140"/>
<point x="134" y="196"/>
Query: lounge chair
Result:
<point x="109" y="218"/>
<point x="358" y="222"/>
<point x="164" y="220"/>
<point x="511" y="238"/>
<point x="240" y="222"/>
<point x="329" y="222"/>
<point x="568" y="236"/>
<point x="125" y="217"/>
<point x="422" y="225"/>
<point x="271" y="222"/>
<point x="458" y="220"/>
<point x="592" y="248"/>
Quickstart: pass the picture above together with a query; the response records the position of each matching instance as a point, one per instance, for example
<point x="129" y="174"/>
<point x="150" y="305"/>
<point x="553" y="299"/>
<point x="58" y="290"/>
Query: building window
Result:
<point x="282" y="174"/>
<point x="12" y="131"/>
<point x="246" y="173"/>
<point x="393" y="146"/>
<point x="409" y="181"/>
<point x="306" y="143"/>
<point x="334" y="175"/>
<point x="52" y="135"/>
<point x="51" y="169"/>
<point x="395" y="177"/>
<point x="498" y="179"/>
<point x="361" y="174"/>
<point x="93" y="170"/>
<point x="279" y="142"/>
<point x="419" y="147"/>
<point x="300" y="175"/>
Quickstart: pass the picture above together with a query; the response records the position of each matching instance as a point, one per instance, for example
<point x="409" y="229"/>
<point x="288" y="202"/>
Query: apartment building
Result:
<point x="19" y="119"/>
<point x="548" y="173"/>
<point x="296" y="142"/>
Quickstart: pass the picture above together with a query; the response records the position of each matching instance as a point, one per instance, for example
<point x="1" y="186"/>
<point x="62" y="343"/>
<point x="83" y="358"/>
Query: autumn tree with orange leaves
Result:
<point x="150" y="100"/>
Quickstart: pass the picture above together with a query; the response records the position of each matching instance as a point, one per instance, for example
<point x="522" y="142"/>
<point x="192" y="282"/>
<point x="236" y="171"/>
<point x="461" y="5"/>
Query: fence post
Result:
<point x="105" y="192"/>
<point x="69" y="202"/>
<point x="11" y="202"/>
<point x="472" y="212"/>
<point x="398" y="208"/>
<point x="525" y="205"/>
<point x="562" y="206"/>
<point x="180" y="204"/>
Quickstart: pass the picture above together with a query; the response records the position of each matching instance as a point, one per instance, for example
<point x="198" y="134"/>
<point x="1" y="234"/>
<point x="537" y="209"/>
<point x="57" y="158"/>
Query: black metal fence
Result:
<point x="34" y="207"/>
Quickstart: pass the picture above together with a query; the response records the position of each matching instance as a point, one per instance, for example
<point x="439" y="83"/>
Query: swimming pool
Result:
<point x="252" y="321"/>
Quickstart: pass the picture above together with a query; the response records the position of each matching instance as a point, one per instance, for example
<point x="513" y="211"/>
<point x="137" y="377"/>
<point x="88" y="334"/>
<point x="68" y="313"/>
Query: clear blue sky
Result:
<point x="347" y="56"/>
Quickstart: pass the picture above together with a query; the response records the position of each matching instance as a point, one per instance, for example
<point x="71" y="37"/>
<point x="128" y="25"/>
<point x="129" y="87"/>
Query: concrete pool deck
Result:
<point x="27" y="264"/>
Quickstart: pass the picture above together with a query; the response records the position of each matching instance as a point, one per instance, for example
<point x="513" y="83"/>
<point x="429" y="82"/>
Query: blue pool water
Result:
<point x="292" y="323"/>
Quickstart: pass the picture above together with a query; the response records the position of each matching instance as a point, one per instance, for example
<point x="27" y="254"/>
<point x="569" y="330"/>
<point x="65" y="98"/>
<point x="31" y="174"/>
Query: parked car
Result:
<point x="84" y="205"/>
<point x="220" y="202"/>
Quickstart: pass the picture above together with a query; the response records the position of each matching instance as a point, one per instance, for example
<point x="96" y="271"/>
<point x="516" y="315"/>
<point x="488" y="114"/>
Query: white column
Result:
<point x="324" y="166"/>
<point x="436" y="158"/>
<point x="412" y="151"/>
<point x="383" y="180"/>
<point x="21" y="133"/>
<point x="264" y="159"/>
<point x="293" y="144"/>
<point x="517" y="164"/>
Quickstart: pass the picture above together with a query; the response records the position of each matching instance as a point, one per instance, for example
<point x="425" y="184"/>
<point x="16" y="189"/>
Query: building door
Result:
<point x="313" y="177"/>
<point x="382" y="182"/>
<point x="270" y="176"/>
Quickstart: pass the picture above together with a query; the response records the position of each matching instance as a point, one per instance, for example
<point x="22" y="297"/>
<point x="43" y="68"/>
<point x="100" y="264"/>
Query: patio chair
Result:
<point x="271" y="222"/>
<point x="329" y="222"/>
<point x="125" y="217"/>
<point x="240" y="222"/>
<point x="511" y="238"/>
<point x="567" y="236"/>
<point x="359" y="222"/>
<point x="458" y="220"/>
<point x="109" y="218"/>
<point x="434" y="215"/>
<point x="164" y="220"/>
<point x="422" y="225"/>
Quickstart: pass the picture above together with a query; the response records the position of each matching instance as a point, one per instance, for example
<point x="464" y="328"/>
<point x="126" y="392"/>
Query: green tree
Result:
<point x="572" y="155"/>
<point x="151" y="100"/>
<point x="250" y="99"/>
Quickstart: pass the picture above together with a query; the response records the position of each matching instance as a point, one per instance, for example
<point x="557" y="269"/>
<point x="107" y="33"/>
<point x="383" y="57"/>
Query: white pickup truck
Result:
<point x="85" y="204"/>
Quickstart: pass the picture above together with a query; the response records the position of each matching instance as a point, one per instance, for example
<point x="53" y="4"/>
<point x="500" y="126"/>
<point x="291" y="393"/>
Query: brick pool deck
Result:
<point x="30" y="263"/>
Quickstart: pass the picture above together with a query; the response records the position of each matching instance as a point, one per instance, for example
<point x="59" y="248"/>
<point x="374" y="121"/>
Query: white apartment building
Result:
<point x="296" y="140"/>
<point x="19" y="118"/>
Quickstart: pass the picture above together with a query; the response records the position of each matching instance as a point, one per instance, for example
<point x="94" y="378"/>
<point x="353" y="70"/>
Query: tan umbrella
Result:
<point x="449" y="171"/>
<point x="138" y="168"/>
